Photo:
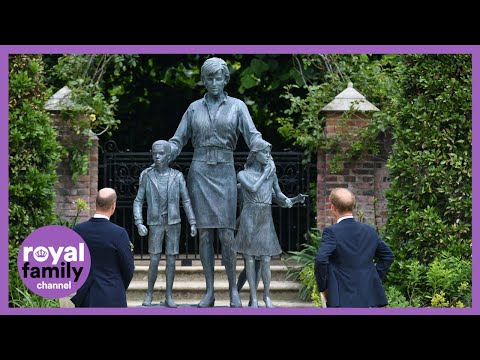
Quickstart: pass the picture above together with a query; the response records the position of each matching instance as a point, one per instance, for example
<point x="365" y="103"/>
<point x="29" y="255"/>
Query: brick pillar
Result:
<point x="66" y="191"/>
<point x="365" y="177"/>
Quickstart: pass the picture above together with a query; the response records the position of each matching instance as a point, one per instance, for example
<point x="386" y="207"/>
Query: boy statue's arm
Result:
<point x="137" y="206"/>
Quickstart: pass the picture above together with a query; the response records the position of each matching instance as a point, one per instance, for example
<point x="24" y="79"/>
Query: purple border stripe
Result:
<point x="3" y="180"/>
<point x="244" y="49"/>
<point x="475" y="174"/>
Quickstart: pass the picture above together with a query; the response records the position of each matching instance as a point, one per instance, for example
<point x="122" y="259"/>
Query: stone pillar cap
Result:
<point x="61" y="100"/>
<point x="350" y="99"/>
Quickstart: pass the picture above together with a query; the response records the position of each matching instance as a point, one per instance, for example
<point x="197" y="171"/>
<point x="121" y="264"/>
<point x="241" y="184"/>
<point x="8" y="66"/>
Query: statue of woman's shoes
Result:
<point x="148" y="300"/>
<point x="268" y="302"/>
<point x="235" y="301"/>
<point x="206" y="302"/>
<point x="170" y="303"/>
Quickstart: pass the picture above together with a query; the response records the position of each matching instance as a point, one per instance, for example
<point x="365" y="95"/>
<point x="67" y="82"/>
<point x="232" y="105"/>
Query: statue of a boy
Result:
<point x="163" y="187"/>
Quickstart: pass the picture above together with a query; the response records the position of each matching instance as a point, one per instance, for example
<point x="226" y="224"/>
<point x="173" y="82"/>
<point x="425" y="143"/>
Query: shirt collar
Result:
<point x="225" y="99"/>
<point x="101" y="216"/>
<point x="344" y="217"/>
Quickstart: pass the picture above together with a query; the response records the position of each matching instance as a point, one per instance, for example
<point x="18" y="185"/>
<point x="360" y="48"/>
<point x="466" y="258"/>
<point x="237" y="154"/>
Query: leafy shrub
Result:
<point x="33" y="157"/>
<point x="444" y="282"/>
<point x="430" y="195"/>
<point x="395" y="298"/>
<point x="80" y="205"/>
<point x="300" y="266"/>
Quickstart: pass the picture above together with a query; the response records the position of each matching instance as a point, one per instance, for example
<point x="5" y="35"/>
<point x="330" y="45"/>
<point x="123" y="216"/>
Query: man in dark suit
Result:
<point x="345" y="271"/>
<point x="112" y="264"/>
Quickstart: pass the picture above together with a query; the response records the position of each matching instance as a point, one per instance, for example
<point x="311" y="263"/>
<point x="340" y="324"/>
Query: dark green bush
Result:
<point x="33" y="156"/>
<point x="430" y="195"/>
<point x="300" y="266"/>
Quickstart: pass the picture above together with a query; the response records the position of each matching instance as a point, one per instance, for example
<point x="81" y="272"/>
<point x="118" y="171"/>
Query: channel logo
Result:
<point x="53" y="261"/>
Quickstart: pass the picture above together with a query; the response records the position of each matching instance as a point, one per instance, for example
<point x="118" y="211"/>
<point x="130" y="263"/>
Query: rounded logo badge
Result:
<point x="53" y="261"/>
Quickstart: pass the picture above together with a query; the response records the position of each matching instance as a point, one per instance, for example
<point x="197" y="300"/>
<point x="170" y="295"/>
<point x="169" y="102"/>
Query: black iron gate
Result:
<point x="121" y="171"/>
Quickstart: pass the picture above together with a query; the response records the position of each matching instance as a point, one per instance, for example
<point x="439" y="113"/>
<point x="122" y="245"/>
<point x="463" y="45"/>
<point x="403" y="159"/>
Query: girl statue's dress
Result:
<point x="256" y="234"/>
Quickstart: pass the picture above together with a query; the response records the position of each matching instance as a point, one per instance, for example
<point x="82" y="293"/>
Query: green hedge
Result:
<point x="430" y="195"/>
<point x="33" y="157"/>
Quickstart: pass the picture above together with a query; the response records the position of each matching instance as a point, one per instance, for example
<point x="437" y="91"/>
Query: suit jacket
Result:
<point x="112" y="264"/>
<point x="344" y="265"/>
<point x="148" y="189"/>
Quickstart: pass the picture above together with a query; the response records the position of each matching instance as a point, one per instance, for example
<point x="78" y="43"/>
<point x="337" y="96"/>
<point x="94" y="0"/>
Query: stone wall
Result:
<point x="367" y="177"/>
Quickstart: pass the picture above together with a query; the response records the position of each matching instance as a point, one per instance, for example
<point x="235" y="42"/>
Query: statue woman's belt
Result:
<point x="213" y="155"/>
<point x="256" y="202"/>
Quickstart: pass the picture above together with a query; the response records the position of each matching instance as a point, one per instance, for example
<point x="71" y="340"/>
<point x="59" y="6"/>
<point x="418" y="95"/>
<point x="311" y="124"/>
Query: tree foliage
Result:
<point x="324" y="77"/>
<point x="92" y="108"/>
<point x="153" y="95"/>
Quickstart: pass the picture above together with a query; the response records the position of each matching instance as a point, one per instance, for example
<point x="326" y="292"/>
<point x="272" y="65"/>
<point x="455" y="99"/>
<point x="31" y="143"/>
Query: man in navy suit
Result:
<point x="112" y="263"/>
<point x="345" y="271"/>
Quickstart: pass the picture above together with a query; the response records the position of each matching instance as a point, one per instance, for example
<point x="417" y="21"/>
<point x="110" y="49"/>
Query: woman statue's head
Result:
<point x="215" y="75"/>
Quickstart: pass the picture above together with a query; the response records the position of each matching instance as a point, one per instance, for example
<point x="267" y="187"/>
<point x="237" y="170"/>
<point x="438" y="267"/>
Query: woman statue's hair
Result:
<point x="212" y="65"/>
